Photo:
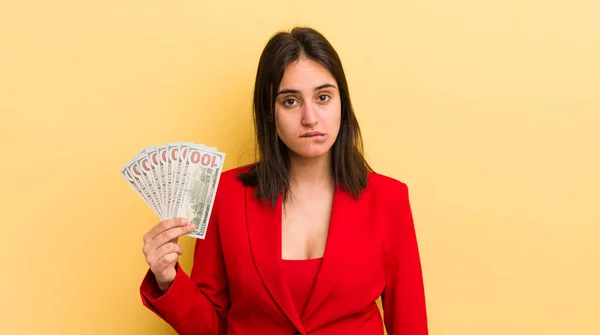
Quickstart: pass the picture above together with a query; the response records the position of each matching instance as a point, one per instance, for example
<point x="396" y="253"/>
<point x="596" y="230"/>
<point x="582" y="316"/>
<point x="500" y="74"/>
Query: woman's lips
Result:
<point x="312" y="134"/>
<point x="316" y="136"/>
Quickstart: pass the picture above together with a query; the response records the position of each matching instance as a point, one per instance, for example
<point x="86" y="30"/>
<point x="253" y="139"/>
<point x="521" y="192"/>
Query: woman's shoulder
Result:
<point x="386" y="194"/>
<point x="229" y="178"/>
<point x="386" y="190"/>
<point x="229" y="188"/>
<point x="378" y="182"/>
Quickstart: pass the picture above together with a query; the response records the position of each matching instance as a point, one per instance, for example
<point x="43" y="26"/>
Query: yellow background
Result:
<point x="488" y="110"/>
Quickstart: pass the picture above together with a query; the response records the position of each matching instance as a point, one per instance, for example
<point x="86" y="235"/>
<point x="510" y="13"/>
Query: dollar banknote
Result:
<point x="136" y="174"/>
<point x="143" y="165"/>
<point x="137" y="187"/>
<point x="177" y="180"/>
<point x="201" y="170"/>
<point x="162" y="164"/>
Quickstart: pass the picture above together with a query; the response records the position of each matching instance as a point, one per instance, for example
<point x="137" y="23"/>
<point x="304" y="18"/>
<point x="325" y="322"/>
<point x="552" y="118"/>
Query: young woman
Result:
<point x="305" y="240"/>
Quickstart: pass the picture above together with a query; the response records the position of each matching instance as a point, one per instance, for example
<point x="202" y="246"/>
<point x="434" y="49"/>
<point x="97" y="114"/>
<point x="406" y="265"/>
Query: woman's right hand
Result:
<point x="162" y="251"/>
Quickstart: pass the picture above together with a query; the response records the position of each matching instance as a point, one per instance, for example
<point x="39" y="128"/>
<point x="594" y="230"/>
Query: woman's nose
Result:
<point x="309" y="115"/>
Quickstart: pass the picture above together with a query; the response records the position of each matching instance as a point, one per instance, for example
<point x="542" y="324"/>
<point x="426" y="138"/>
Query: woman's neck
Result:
<point x="310" y="173"/>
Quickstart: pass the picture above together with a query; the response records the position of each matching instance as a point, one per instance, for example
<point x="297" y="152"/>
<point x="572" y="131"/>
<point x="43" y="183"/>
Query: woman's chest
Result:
<point x="305" y="227"/>
<point x="254" y="245"/>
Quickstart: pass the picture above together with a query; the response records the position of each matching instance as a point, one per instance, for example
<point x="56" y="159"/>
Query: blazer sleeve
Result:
<point x="403" y="299"/>
<point x="198" y="304"/>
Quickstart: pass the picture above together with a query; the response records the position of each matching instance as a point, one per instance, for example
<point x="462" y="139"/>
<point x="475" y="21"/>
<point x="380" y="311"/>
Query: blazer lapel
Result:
<point x="264" y="231"/>
<point x="346" y="212"/>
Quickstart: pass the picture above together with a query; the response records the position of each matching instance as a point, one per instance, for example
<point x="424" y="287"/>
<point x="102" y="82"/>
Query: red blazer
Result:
<point x="236" y="284"/>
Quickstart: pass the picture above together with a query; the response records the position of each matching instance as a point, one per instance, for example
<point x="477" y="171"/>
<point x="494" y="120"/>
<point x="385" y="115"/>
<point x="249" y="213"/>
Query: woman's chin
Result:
<point x="311" y="154"/>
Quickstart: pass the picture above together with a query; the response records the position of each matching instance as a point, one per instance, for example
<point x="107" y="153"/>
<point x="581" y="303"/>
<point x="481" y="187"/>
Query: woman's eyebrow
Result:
<point x="284" y="91"/>
<point x="287" y="91"/>
<point x="324" y="86"/>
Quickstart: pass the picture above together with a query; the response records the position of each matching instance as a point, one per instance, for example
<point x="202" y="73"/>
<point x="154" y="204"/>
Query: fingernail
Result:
<point x="184" y="221"/>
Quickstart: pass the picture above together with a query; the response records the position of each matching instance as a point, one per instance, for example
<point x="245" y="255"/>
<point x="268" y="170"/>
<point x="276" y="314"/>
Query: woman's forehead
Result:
<point x="306" y="74"/>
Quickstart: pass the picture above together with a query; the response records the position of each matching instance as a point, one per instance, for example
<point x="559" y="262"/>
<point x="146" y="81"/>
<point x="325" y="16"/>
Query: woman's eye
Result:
<point x="324" y="98"/>
<point x="289" y="102"/>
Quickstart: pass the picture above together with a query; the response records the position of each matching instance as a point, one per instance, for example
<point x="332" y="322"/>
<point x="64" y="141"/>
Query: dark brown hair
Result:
<point x="270" y="174"/>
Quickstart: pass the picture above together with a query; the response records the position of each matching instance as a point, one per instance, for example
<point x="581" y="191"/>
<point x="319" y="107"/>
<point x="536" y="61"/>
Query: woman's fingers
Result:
<point x="171" y="234"/>
<point x="165" y="242"/>
<point x="164" y="226"/>
<point x="161" y="249"/>
<point x="164" y="268"/>
<point x="165" y="249"/>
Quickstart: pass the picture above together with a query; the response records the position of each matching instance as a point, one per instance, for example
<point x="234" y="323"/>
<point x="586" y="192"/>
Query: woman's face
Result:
<point x="308" y="109"/>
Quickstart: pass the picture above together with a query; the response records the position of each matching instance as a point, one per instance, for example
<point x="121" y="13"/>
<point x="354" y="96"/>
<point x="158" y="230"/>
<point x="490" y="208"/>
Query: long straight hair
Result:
<point x="270" y="174"/>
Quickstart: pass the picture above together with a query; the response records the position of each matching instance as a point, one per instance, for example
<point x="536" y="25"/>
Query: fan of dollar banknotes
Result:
<point x="177" y="180"/>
